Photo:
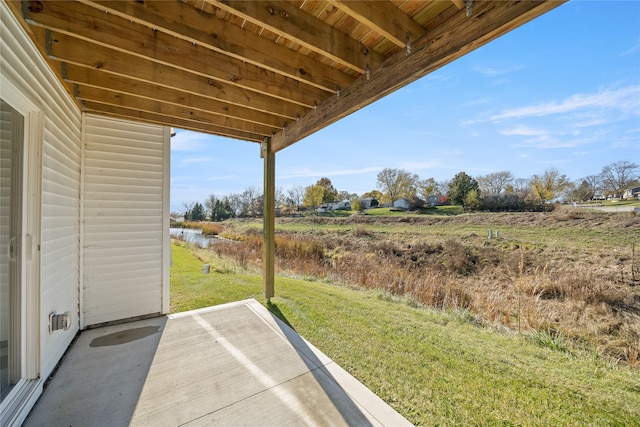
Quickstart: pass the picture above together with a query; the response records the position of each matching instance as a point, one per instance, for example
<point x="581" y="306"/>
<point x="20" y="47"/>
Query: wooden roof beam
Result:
<point x="83" y="76"/>
<point x="159" y="119"/>
<point x="88" y="23"/>
<point x="383" y="18"/>
<point x="185" y="22"/>
<point x="103" y="96"/>
<point x="451" y="39"/>
<point x="86" y="54"/>
<point x="292" y="23"/>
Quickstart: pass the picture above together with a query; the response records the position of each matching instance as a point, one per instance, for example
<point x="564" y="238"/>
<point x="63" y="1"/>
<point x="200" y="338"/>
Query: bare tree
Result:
<point x="344" y="195"/>
<point x="590" y="187"/>
<point x="495" y="183"/>
<point x="617" y="176"/>
<point x="188" y="208"/>
<point x="295" y="195"/>
<point x="442" y="188"/>
<point x="520" y="186"/>
<point x="251" y="202"/>
<point x="235" y="201"/>
<point x="210" y="205"/>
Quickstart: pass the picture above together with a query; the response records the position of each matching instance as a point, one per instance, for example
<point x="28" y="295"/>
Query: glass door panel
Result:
<point x="11" y="146"/>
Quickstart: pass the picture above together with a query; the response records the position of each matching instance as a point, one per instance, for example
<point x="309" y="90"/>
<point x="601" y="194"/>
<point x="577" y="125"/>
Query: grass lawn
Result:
<point x="434" y="368"/>
<point x="435" y="210"/>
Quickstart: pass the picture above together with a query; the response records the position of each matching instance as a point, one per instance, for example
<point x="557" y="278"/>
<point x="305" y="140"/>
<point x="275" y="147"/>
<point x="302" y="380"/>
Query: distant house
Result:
<point x="334" y="206"/>
<point x="368" y="202"/>
<point x="433" y="201"/>
<point x="631" y="193"/>
<point x="402" y="204"/>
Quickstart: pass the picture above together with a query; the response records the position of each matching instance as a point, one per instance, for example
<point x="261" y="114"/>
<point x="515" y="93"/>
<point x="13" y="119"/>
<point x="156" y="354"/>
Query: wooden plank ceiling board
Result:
<point x="250" y="70"/>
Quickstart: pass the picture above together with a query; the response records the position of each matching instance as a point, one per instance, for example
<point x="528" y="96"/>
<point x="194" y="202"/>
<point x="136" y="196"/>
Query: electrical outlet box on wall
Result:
<point x="59" y="322"/>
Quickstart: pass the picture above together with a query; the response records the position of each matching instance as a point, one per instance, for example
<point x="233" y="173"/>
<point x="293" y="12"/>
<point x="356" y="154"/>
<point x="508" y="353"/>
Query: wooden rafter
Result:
<point x="384" y="18"/>
<point x="89" y="77"/>
<point x="184" y="22"/>
<point x="81" y="22"/>
<point x="291" y="22"/>
<point x="250" y="69"/>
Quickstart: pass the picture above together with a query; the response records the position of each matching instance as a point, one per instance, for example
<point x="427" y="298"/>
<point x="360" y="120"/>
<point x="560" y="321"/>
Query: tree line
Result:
<point x="497" y="191"/>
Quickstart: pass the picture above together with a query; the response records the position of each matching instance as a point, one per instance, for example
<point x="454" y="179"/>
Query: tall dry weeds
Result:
<point x="524" y="289"/>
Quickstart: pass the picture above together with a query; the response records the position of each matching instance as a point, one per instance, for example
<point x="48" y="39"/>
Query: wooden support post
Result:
<point x="269" y="213"/>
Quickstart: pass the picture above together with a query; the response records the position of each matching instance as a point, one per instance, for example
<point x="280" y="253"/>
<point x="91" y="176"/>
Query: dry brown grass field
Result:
<point x="569" y="275"/>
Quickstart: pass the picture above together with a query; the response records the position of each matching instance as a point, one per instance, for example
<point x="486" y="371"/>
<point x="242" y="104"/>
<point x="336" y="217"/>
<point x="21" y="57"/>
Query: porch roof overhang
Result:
<point x="252" y="70"/>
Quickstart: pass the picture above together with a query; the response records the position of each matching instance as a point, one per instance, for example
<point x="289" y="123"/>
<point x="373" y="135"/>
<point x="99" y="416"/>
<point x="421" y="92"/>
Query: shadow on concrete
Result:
<point x="100" y="380"/>
<point x="342" y="401"/>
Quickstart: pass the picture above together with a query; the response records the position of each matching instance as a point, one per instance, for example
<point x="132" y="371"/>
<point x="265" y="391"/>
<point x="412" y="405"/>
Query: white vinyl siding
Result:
<point x="124" y="219"/>
<point x="24" y="70"/>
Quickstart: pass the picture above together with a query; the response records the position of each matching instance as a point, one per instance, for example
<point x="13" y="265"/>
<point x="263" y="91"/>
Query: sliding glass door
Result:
<point x="11" y="186"/>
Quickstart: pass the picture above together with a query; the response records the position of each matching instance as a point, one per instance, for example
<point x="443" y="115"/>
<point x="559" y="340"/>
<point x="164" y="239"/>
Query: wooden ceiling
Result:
<point x="255" y="69"/>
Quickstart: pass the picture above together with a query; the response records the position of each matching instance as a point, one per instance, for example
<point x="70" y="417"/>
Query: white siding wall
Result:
<point x="23" y="68"/>
<point x="125" y="223"/>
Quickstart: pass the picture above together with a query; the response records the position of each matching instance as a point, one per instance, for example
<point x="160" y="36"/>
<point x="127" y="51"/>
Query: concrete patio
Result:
<point x="231" y="365"/>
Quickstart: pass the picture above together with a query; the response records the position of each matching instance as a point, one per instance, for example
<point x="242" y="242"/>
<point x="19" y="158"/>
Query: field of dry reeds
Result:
<point x="570" y="276"/>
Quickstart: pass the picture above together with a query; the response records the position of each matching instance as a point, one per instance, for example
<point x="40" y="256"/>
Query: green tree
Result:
<point x="547" y="186"/>
<point x="427" y="188"/>
<point x="397" y="184"/>
<point x="198" y="213"/>
<point x="329" y="193"/>
<point x="472" y="200"/>
<point x="313" y="196"/>
<point x="460" y="186"/>
<point x="356" y="205"/>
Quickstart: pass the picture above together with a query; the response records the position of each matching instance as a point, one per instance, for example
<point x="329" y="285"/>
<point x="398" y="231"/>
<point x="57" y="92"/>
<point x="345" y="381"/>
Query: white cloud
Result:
<point x="495" y="71"/>
<point x="522" y="130"/>
<point x="625" y="101"/>
<point x="194" y="160"/>
<point x="631" y="50"/>
<point x="188" y="141"/>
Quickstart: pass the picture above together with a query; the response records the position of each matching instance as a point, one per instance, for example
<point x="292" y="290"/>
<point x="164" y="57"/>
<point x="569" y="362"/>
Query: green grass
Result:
<point x="435" y="368"/>
<point x="384" y="212"/>
<point x="436" y="210"/>
<point x="567" y="237"/>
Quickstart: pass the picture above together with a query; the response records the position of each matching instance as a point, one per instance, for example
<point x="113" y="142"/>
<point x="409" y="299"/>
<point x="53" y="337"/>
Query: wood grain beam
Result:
<point x="142" y="116"/>
<point x="83" y="76"/>
<point x="292" y="23"/>
<point x="188" y="23"/>
<point x="107" y="97"/>
<point x="451" y="39"/>
<point x="132" y="39"/>
<point x="383" y="18"/>
<point x="79" y="52"/>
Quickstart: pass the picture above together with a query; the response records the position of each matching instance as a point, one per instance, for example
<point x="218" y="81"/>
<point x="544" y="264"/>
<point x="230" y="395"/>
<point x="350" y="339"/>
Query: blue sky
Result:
<point x="562" y="91"/>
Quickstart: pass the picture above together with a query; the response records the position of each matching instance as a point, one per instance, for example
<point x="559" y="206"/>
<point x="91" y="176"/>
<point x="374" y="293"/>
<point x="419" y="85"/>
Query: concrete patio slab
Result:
<point x="230" y="365"/>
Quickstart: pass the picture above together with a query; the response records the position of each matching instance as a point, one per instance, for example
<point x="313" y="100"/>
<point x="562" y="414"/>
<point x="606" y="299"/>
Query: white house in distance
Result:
<point x="89" y="92"/>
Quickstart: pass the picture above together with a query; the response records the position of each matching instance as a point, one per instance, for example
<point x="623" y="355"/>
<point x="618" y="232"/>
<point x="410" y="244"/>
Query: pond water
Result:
<point x="193" y="236"/>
